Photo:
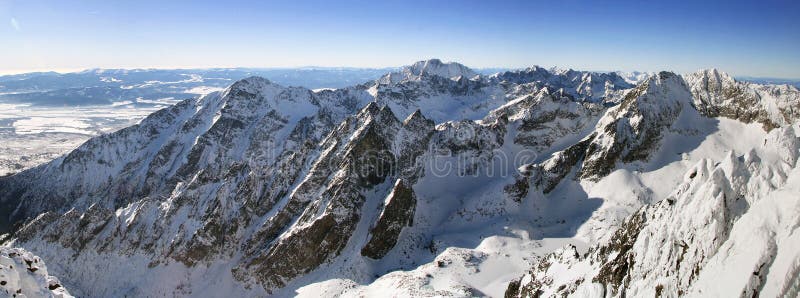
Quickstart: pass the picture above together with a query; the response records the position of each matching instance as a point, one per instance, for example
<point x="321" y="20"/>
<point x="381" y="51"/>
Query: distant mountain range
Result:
<point x="107" y="86"/>
<point x="773" y="81"/>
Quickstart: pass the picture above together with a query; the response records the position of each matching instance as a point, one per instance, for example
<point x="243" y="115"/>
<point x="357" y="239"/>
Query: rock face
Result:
<point x="24" y="275"/>
<point x="398" y="212"/>
<point x="263" y="189"/>
<point x="718" y="94"/>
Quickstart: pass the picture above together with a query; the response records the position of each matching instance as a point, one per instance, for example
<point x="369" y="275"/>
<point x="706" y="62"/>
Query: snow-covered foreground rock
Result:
<point x="24" y="275"/>
<point x="429" y="181"/>
<point x="728" y="229"/>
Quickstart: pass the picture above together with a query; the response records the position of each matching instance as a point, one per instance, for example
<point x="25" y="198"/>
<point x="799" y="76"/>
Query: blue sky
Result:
<point x="757" y="38"/>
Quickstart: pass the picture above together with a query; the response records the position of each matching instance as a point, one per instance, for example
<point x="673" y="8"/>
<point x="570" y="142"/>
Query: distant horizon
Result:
<point x="70" y="71"/>
<point x="743" y="38"/>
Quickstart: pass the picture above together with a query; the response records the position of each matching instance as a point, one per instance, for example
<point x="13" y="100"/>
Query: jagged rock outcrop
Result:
<point x="718" y="94"/>
<point x="24" y="275"/>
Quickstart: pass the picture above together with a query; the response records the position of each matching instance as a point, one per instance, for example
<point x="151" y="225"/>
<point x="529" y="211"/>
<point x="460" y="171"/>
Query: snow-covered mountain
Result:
<point x="432" y="180"/>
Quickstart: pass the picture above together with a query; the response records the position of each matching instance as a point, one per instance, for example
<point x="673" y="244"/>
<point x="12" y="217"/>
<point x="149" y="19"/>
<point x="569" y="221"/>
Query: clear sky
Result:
<point x="757" y="38"/>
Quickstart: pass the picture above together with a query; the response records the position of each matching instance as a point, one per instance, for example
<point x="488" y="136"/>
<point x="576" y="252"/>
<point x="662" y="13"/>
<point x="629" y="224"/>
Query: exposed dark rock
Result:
<point x="548" y="174"/>
<point x="614" y="272"/>
<point x="519" y="189"/>
<point x="397" y="214"/>
<point x="513" y="289"/>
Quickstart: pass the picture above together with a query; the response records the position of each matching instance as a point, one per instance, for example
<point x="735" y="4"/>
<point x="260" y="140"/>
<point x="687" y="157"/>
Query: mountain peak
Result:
<point x="417" y="119"/>
<point x="250" y="86"/>
<point x="371" y="108"/>
<point x="435" y="67"/>
<point x="253" y="80"/>
<point x="713" y="73"/>
<point x="665" y="82"/>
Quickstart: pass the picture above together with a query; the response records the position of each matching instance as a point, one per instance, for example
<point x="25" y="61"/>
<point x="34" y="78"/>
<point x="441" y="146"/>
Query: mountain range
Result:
<point x="432" y="180"/>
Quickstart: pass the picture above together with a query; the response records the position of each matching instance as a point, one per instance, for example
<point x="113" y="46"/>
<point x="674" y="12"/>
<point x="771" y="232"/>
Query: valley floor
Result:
<point x="31" y="136"/>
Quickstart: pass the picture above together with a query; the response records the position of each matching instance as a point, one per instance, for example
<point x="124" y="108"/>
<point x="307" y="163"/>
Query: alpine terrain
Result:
<point x="433" y="180"/>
